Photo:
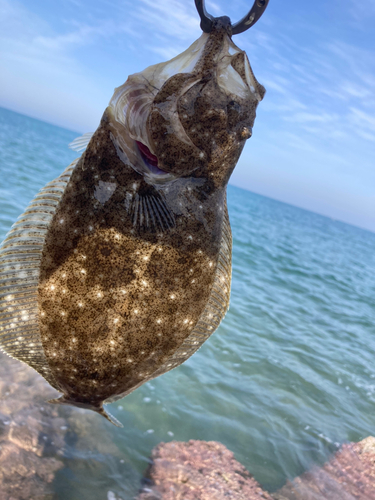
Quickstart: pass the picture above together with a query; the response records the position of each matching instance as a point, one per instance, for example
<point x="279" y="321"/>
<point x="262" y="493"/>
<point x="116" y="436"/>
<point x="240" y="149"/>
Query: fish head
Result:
<point x="189" y="116"/>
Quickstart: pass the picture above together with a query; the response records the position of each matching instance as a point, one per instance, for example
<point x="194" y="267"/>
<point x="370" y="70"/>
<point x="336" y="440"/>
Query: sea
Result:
<point x="286" y="379"/>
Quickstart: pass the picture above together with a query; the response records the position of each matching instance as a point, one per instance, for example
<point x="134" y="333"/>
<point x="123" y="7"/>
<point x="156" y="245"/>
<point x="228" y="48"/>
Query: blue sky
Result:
<point x="314" y="137"/>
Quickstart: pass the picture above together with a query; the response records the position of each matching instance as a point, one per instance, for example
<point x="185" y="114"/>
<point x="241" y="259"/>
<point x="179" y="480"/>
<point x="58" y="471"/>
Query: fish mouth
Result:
<point x="156" y="110"/>
<point x="149" y="159"/>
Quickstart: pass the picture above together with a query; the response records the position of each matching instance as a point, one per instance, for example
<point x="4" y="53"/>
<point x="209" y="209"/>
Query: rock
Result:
<point x="24" y="476"/>
<point x="28" y="462"/>
<point x="349" y="475"/>
<point x="198" y="470"/>
<point x="35" y="434"/>
<point x="33" y="437"/>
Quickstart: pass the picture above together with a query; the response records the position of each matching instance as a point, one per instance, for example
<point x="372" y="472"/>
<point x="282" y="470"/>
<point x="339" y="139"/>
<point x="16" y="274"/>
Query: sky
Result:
<point x="313" y="142"/>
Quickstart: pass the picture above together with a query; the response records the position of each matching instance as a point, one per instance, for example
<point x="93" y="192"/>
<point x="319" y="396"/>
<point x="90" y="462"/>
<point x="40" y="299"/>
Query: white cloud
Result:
<point x="310" y="117"/>
<point x="170" y="17"/>
<point x="38" y="68"/>
<point x="361" y="117"/>
<point x="360" y="12"/>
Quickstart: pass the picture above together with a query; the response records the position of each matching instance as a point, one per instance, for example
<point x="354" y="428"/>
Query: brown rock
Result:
<point x="25" y="424"/>
<point x="198" y="470"/>
<point x="33" y="435"/>
<point x="349" y="475"/>
<point x="32" y="440"/>
<point x="25" y="437"/>
<point x="23" y="475"/>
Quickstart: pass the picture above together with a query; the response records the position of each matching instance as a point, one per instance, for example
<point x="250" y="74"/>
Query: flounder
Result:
<point x="120" y="268"/>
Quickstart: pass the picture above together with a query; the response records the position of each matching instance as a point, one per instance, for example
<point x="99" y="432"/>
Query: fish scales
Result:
<point x="120" y="269"/>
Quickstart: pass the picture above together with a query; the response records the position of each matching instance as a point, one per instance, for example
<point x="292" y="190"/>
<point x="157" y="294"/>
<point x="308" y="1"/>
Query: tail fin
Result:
<point x="62" y="400"/>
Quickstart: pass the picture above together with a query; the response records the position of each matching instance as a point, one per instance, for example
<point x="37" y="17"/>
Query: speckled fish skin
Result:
<point x="131" y="264"/>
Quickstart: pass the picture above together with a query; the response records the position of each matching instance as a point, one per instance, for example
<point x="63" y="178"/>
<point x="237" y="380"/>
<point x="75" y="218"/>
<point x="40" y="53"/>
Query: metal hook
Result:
<point x="206" y="19"/>
<point x="244" y="24"/>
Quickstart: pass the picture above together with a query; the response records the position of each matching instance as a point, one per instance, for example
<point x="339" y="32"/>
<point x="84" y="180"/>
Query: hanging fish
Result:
<point x="120" y="268"/>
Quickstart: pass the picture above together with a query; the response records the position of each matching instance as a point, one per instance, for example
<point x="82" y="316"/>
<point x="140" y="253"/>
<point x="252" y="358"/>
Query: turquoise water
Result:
<point x="290" y="373"/>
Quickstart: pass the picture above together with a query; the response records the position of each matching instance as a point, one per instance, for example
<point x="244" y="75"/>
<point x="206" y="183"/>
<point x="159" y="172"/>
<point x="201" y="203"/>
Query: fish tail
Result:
<point x="62" y="400"/>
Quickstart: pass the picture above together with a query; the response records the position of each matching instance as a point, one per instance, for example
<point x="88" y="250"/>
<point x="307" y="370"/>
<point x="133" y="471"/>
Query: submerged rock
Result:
<point x="38" y="439"/>
<point x="198" y="470"/>
<point x="349" y="475"/>
<point x="34" y="437"/>
<point x="31" y="434"/>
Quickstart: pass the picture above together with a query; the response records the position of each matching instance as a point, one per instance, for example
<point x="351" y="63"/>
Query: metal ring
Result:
<point x="244" y="24"/>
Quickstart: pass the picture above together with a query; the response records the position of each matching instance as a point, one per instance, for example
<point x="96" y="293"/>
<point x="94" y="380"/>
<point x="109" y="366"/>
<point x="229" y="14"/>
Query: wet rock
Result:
<point x="24" y="476"/>
<point x="34" y="436"/>
<point x="28" y="461"/>
<point x="349" y="475"/>
<point x="38" y="439"/>
<point x="198" y="470"/>
<point x="25" y="437"/>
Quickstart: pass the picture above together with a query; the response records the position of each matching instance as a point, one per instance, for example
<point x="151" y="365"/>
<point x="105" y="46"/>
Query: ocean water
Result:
<point x="288" y="376"/>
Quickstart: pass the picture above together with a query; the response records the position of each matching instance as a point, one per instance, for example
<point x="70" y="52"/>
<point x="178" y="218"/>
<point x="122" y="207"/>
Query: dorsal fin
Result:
<point x="80" y="143"/>
<point x="20" y="258"/>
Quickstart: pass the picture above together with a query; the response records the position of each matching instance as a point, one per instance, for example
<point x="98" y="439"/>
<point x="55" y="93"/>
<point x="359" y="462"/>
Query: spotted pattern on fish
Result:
<point x="120" y="269"/>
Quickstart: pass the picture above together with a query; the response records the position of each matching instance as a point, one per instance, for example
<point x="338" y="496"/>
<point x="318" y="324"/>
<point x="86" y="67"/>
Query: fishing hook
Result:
<point x="244" y="24"/>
